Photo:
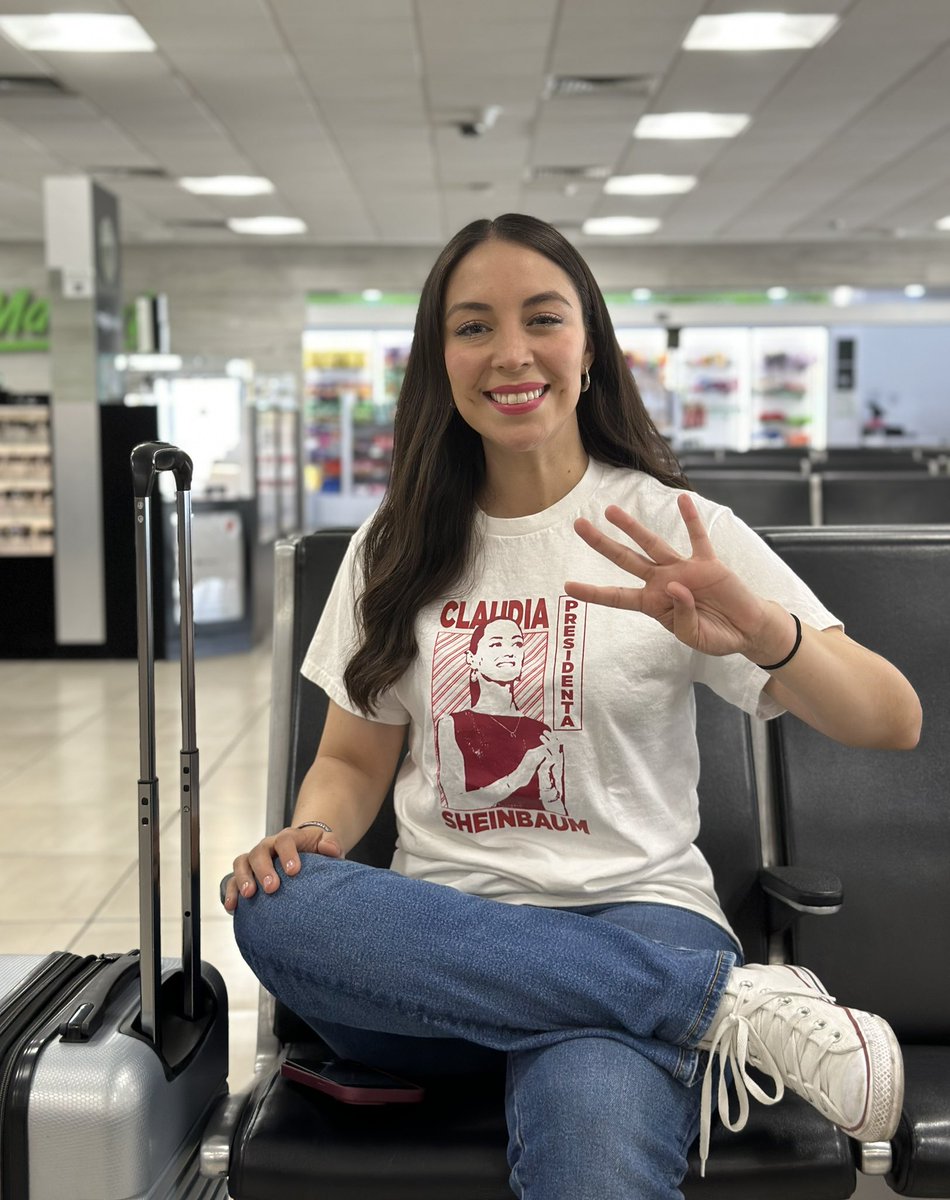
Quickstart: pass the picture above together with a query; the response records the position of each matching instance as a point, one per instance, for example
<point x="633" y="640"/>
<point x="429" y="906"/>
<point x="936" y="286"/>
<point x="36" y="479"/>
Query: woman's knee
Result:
<point x="268" y="925"/>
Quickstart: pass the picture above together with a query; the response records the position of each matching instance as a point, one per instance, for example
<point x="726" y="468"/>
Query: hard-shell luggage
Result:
<point x="111" y="1065"/>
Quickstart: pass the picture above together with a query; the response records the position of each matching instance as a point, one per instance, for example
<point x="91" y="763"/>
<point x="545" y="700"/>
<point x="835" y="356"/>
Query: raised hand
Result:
<point x="698" y="599"/>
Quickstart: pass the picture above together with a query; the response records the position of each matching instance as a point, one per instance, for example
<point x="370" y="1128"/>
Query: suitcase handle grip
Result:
<point x="89" y="1006"/>
<point x="148" y="458"/>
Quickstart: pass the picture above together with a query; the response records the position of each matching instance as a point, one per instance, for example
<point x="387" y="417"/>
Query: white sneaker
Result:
<point x="782" y="1021"/>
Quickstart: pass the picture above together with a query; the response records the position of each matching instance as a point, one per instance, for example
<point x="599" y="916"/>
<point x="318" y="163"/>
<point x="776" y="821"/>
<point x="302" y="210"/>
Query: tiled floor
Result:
<point x="68" y="772"/>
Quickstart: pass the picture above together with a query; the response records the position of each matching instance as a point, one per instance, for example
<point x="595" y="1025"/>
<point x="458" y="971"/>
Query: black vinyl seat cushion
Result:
<point x="922" y="1144"/>
<point x="453" y="1144"/>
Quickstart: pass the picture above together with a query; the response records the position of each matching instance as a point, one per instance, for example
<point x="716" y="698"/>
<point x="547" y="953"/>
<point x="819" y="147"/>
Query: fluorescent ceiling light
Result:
<point x="620" y="226"/>
<point x="372" y="295"/>
<point x="687" y="125"/>
<point x="226" y="185"/>
<point x="267" y="226"/>
<point x="943" y="223"/>
<point x="759" y="31"/>
<point x="77" y="33"/>
<point x="777" y="293"/>
<point x="649" y="185"/>
<point x="641" y="294"/>
<point x="842" y="296"/>
<point x="914" y="291"/>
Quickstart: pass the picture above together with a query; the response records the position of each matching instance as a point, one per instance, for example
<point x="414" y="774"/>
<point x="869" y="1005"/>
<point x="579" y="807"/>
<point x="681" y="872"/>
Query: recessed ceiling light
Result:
<point x="914" y="291"/>
<point x="373" y="295"/>
<point x="686" y="125"/>
<point x="77" y="33"/>
<point x="759" y="31"/>
<point x="943" y="223"/>
<point x="777" y="293"/>
<point x="842" y="295"/>
<point x="226" y="185"/>
<point x="267" y="226"/>
<point x="641" y="294"/>
<point x="649" y="185"/>
<point x="620" y="226"/>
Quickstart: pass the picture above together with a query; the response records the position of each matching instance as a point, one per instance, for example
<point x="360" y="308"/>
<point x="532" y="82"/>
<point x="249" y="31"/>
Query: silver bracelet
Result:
<point x="318" y="824"/>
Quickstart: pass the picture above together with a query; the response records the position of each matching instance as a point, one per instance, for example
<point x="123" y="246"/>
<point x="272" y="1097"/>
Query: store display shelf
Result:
<point x="23" y="520"/>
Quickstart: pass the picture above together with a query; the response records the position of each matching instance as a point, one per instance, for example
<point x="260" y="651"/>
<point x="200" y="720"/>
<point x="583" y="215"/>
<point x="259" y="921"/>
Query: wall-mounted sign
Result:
<point x="24" y="323"/>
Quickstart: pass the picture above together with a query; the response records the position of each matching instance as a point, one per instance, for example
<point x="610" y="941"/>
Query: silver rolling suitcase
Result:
<point x="110" y="1066"/>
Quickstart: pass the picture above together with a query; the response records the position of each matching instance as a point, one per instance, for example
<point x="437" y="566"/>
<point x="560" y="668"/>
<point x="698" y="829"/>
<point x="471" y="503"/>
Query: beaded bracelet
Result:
<point x="794" y="650"/>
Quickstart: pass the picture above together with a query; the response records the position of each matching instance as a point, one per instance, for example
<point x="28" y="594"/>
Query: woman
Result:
<point x="490" y="753"/>
<point x="604" y="967"/>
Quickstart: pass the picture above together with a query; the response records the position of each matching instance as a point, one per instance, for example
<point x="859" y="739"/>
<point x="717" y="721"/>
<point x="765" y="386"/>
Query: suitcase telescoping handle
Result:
<point x="148" y="460"/>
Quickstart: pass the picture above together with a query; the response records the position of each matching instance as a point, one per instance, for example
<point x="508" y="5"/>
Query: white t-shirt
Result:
<point x="586" y="792"/>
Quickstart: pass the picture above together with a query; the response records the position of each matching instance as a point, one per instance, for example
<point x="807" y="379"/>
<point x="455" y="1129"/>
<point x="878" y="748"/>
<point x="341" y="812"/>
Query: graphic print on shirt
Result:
<point x="507" y="682"/>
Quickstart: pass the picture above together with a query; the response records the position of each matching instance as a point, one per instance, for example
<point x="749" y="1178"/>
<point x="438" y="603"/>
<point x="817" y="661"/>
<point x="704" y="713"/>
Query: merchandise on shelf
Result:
<point x="790" y="384"/>
<point x="713" y="389"/>
<point x="352" y="380"/>
<point x="26" y="481"/>
<point x="645" y="354"/>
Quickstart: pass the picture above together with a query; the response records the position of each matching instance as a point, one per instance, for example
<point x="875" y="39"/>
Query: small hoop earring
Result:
<point x="585" y="380"/>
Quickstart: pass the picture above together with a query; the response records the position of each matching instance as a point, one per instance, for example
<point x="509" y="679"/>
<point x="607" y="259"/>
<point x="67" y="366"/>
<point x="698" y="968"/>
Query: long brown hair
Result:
<point x="420" y="542"/>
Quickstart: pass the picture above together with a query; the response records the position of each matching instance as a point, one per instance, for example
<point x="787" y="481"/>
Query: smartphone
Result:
<point x="352" y="1082"/>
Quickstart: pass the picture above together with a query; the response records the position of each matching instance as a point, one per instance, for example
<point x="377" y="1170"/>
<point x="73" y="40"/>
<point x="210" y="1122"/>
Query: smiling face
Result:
<point x="499" y="652"/>
<point x="515" y="351"/>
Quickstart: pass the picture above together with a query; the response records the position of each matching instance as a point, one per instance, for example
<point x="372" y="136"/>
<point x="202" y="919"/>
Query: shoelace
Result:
<point x="736" y="1042"/>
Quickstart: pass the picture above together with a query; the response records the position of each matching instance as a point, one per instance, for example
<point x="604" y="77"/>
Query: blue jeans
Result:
<point x="597" y="1011"/>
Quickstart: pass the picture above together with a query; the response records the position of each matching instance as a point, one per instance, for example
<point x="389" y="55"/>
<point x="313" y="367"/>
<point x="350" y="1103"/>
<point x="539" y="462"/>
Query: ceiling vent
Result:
<point x="579" y="87"/>
<point x="130" y="172"/>
<point x="31" y="85"/>
<point x="561" y="175"/>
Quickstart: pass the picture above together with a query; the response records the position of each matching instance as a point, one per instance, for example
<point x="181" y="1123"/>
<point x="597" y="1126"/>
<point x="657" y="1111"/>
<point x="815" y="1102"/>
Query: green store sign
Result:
<point x="24" y="323"/>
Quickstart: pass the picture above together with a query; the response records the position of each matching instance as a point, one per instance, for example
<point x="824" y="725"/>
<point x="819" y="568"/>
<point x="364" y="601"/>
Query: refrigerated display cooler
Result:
<point x="713" y="402"/>
<point x="351" y="383"/>
<point x="277" y="425"/>
<point x="790" y="386"/>
<point x="647" y="357"/>
<point x="739" y="388"/>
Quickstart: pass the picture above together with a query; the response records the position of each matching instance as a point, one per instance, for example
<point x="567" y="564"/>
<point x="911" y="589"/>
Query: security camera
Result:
<point x="482" y="123"/>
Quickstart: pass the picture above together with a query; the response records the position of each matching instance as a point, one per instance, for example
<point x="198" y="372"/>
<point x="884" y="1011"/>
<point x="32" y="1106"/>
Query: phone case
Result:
<point x="406" y="1093"/>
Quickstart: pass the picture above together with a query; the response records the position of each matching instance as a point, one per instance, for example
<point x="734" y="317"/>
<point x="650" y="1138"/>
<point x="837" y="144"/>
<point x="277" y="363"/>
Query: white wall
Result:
<point x="903" y="369"/>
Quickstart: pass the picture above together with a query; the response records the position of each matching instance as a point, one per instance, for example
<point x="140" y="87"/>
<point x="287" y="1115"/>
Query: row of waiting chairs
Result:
<point x="791" y="823"/>
<point x="770" y="497"/>
<point x="932" y="460"/>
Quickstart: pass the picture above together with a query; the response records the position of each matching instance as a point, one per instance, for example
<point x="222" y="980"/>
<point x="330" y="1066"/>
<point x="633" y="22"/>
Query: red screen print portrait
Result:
<point x="494" y="747"/>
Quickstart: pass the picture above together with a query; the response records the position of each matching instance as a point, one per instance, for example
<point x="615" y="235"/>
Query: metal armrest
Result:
<point x="873" y="1158"/>
<point x="214" y="1154"/>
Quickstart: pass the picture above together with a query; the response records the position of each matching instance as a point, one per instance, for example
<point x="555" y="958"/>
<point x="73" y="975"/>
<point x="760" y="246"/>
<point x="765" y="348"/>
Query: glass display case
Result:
<point x="646" y="355"/>
<point x="790" y="386"/>
<point x="713" y="400"/>
<point x="352" y="380"/>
